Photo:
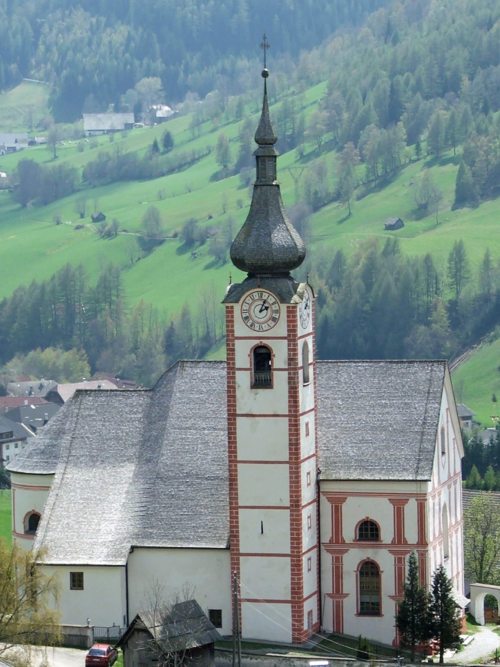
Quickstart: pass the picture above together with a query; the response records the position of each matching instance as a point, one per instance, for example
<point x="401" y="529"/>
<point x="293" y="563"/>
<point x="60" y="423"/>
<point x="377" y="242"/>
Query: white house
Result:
<point x="299" y="485"/>
<point x="13" y="439"/>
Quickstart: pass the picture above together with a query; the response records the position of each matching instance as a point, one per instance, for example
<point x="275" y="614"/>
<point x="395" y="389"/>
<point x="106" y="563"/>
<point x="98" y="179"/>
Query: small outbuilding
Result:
<point x="391" y="224"/>
<point x="177" y="635"/>
<point x="466" y="415"/>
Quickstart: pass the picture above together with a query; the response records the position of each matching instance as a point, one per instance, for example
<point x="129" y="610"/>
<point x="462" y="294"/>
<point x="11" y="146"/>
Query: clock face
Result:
<point x="260" y="310"/>
<point x="305" y="310"/>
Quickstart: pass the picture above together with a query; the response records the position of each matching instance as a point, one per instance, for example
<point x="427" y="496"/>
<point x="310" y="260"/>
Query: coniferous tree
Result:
<point x="167" y="141"/>
<point x="465" y="188"/>
<point x="444" y="614"/>
<point x="412" y="616"/>
<point x="474" y="480"/>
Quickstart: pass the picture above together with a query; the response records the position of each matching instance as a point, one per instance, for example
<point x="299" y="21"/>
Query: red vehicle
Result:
<point x="101" y="655"/>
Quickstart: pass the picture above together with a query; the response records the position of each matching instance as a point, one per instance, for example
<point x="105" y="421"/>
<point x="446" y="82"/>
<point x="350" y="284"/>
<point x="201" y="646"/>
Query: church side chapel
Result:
<point x="301" y="485"/>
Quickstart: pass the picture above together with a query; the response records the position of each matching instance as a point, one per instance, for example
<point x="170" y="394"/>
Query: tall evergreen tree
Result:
<point x="465" y="188"/>
<point x="412" y="616"/>
<point x="444" y="615"/>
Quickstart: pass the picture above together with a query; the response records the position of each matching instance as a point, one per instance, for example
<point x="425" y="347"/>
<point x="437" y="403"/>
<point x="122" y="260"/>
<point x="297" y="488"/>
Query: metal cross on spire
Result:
<point x="264" y="45"/>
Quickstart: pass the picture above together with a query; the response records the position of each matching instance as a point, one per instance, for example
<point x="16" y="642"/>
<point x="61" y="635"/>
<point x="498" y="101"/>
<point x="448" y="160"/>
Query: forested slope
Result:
<point x="93" y="51"/>
<point x="398" y="116"/>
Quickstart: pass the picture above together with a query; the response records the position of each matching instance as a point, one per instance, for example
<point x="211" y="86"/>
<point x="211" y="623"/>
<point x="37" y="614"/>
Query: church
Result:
<point x="273" y="486"/>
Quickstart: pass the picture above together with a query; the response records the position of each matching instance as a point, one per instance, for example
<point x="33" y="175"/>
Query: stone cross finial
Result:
<point x="264" y="45"/>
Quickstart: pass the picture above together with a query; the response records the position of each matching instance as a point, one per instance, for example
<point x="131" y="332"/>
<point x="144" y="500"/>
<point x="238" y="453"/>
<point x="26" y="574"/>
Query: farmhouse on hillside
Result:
<point x="104" y="123"/>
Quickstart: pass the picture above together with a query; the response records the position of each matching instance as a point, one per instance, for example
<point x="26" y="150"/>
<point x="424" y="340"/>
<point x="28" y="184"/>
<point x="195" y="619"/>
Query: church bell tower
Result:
<point x="271" y="417"/>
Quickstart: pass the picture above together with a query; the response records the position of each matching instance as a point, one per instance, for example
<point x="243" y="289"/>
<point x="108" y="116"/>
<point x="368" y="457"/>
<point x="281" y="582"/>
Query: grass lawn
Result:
<point x="5" y="516"/>
<point x="477" y="380"/>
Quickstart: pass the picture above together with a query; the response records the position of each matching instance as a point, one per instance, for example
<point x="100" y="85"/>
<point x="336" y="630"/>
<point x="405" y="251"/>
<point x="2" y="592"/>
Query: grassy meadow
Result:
<point x="5" y="516"/>
<point x="477" y="381"/>
<point x="33" y="247"/>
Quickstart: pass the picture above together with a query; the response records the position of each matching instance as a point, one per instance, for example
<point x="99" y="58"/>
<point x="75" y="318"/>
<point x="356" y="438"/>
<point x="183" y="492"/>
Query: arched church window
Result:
<point x="262" y="371"/>
<point x="443" y="441"/>
<point x="31" y="522"/>
<point x="369" y="589"/>
<point x="368" y="531"/>
<point x="305" y="363"/>
<point x="446" y="536"/>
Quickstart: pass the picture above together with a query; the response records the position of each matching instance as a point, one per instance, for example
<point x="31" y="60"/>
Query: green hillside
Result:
<point x="477" y="382"/>
<point x="374" y="123"/>
<point x="33" y="247"/>
<point x="23" y="108"/>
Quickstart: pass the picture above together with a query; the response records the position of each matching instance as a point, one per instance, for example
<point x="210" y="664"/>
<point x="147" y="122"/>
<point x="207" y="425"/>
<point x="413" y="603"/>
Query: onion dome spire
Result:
<point x="267" y="244"/>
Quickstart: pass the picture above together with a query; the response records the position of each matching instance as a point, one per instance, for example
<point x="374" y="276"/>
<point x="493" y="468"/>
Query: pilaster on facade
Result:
<point x="336" y="501"/>
<point x="399" y="520"/>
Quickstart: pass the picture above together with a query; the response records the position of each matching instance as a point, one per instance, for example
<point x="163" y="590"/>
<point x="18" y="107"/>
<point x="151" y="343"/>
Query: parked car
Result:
<point x="101" y="655"/>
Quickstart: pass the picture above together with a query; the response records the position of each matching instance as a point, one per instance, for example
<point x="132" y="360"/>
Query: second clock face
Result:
<point x="260" y="310"/>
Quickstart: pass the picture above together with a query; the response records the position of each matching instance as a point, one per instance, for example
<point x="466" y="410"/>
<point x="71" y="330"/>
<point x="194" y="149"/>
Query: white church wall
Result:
<point x="271" y="621"/>
<point x="262" y="439"/>
<point x="264" y="530"/>
<point x="309" y="572"/>
<point x="265" y="578"/>
<point x="263" y="401"/>
<point x="178" y="574"/>
<point x="309" y="537"/>
<point x="342" y="506"/>
<point x="29" y="494"/>
<point x="263" y="484"/>
<point x="309" y="481"/>
<point x="444" y="511"/>
<point x="102" y="601"/>
<point x="308" y="435"/>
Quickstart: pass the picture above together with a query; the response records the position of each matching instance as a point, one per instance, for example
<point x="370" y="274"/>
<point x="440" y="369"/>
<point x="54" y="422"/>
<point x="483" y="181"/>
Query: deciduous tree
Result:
<point x="482" y="540"/>
<point x="458" y="268"/>
<point x="28" y="600"/>
<point x="222" y="151"/>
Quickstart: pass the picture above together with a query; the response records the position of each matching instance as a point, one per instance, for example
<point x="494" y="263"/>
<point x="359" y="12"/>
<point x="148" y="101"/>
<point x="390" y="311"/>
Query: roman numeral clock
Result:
<point x="260" y="310"/>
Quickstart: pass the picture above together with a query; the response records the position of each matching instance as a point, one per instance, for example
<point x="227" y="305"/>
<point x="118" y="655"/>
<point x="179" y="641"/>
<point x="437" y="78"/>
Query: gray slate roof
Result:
<point x="33" y="416"/>
<point x="18" y="431"/>
<point x="95" y="122"/>
<point x="378" y="420"/>
<point x="31" y="387"/>
<point x="137" y="468"/>
<point x="149" y="467"/>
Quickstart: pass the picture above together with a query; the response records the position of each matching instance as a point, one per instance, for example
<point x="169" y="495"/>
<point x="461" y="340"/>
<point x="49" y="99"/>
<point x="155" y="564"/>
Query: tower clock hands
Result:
<point x="263" y="307"/>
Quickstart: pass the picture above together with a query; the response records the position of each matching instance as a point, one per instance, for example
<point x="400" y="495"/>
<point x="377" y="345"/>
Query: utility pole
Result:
<point x="236" y="624"/>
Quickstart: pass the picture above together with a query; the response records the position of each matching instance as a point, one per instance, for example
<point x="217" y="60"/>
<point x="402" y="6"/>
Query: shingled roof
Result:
<point x="378" y="420"/>
<point x="136" y="468"/>
<point x="149" y="467"/>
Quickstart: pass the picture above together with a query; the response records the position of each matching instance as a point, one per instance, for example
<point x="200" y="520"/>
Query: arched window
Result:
<point x="369" y="589"/>
<point x="262" y="371"/>
<point x="31" y="522"/>
<point x="305" y="363"/>
<point x="446" y="536"/>
<point x="368" y="531"/>
<point x="443" y="441"/>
